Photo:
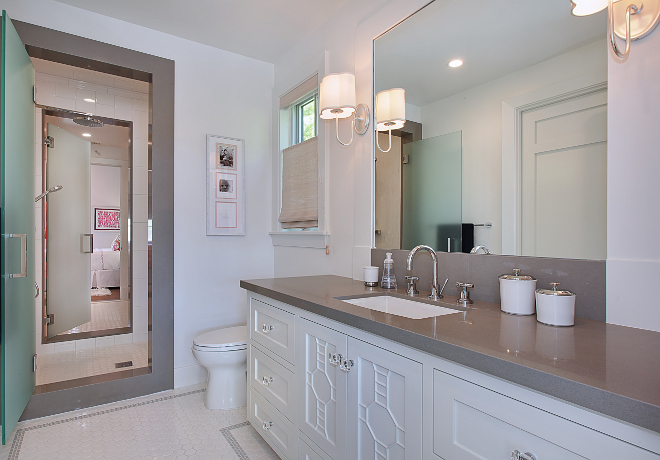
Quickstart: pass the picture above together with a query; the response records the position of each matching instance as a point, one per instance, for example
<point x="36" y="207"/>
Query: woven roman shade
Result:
<point x="300" y="185"/>
<point x="299" y="91"/>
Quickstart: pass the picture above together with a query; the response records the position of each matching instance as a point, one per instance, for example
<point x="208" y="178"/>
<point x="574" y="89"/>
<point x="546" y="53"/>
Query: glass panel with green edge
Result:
<point x="17" y="143"/>
<point x="432" y="193"/>
<point x="69" y="241"/>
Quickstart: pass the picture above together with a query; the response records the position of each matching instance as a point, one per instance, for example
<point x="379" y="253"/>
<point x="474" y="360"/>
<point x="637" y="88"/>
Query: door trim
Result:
<point x="54" y="45"/>
<point x="512" y="111"/>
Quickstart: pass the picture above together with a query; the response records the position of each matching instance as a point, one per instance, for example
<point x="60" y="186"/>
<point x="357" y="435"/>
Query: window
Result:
<point x="306" y="114"/>
<point x="299" y="174"/>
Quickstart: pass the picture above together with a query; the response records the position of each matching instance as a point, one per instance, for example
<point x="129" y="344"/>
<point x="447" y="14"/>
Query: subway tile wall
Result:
<point x="82" y="90"/>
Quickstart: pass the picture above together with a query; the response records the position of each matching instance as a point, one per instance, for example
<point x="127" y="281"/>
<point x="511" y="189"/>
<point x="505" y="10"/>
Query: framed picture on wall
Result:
<point x="106" y="219"/>
<point x="225" y="190"/>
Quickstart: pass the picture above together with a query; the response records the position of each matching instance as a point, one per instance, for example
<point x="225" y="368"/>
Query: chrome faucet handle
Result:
<point x="412" y="286"/>
<point x="464" y="299"/>
<point x="435" y="295"/>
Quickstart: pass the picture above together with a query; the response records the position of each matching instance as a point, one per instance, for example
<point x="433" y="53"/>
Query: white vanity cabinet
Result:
<point x="357" y="401"/>
<point x="321" y="390"/>
<point x="322" y="382"/>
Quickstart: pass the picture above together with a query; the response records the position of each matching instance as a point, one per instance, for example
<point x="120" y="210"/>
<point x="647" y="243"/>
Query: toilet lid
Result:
<point x="221" y="338"/>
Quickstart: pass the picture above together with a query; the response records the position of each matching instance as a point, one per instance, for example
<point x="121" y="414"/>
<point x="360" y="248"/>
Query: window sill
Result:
<point x="315" y="239"/>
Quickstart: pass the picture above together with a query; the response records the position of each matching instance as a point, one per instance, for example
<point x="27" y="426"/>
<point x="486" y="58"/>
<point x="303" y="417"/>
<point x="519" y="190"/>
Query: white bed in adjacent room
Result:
<point x="105" y="268"/>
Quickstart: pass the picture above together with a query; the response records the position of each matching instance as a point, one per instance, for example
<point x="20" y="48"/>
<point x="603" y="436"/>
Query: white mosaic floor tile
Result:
<point x="168" y="425"/>
<point x="69" y="365"/>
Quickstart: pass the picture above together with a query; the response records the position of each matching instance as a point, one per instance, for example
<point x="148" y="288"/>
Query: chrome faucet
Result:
<point x="481" y="246"/>
<point x="435" y="295"/>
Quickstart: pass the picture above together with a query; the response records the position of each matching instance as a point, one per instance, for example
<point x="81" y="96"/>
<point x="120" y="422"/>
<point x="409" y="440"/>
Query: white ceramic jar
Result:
<point x="517" y="293"/>
<point x="554" y="307"/>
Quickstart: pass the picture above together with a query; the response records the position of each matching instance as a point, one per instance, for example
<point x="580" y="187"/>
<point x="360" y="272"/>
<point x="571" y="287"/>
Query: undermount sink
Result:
<point x="400" y="307"/>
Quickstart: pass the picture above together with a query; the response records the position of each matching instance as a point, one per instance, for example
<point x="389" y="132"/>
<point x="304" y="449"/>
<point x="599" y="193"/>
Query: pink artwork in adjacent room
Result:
<point x="106" y="219"/>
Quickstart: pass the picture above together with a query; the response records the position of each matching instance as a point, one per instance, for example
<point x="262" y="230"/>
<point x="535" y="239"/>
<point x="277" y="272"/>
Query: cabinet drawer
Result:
<point x="472" y="422"/>
<point x="274" y="382"/>
<point x="273" y="329"/>
<point x="275" y="429"/>
<point x="307" y="452"/>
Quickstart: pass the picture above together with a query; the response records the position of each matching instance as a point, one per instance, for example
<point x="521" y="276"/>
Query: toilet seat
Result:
<point x="225" y="339"/>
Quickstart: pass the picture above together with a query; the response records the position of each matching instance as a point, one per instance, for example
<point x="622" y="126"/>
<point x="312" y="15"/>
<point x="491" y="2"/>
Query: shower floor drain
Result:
<point x="124" y="364"/>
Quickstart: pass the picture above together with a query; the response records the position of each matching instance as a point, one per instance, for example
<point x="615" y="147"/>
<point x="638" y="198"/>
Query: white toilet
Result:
<point x="223" y="353"/>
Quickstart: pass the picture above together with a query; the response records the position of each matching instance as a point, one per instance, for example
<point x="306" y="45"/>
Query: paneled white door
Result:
<point x="322" y="387"/>
<point x="564" y="179"/>
<point x="384" y="405"/>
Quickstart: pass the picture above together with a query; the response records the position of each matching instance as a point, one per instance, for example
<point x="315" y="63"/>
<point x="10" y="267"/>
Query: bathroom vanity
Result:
<point x="331" y="380"/>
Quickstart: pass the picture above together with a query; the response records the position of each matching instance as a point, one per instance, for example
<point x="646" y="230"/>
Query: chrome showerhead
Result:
<point x="57" y="188"/>
<point x="88" y="121"/>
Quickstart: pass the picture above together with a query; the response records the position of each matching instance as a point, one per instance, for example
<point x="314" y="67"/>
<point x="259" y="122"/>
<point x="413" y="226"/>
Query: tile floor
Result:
<point x="69" y="365"/>
<point x="111" y="314"/>
<point x="169" y="425"/>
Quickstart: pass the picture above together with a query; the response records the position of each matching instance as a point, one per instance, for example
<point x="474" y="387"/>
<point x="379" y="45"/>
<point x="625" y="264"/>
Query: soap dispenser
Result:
<point x="389" y="280"/>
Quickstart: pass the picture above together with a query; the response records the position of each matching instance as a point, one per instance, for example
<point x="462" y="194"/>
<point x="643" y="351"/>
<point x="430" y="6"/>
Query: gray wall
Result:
<point x="586" y="278"/>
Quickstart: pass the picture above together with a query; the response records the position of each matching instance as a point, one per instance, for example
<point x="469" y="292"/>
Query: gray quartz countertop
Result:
<point x="610" y="369"/>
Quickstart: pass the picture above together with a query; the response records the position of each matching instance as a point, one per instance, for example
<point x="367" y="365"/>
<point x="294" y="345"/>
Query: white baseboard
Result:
<point x="189" y="375"/>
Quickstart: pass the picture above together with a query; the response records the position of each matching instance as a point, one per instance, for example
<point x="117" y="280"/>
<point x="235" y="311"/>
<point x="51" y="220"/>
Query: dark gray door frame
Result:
<point x="83" y="52"/>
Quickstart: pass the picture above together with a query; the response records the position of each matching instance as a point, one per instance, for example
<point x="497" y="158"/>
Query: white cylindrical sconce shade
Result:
<point x="337" y="96"/>
<point x="390" y="109"/>
<point x="587" y="7"/>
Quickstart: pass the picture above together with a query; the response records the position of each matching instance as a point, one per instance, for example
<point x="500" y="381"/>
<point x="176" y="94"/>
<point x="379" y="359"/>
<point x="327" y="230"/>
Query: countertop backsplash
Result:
<point x="586" y="278"/>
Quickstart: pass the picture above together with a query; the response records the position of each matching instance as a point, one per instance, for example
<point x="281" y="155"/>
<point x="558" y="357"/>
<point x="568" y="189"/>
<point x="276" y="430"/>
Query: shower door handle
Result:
<point x="91" y="243"/>
<point x="24" y="255"/>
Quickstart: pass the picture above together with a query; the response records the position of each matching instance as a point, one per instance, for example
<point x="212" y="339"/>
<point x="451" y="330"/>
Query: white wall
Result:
<point x="478" y="113"/>
<point x="349" y="201"/>
<point x="216" y="92"/>
<point x="633" y="188"/>
<point x="633" y="161"/>
<point x="104" y="184"/>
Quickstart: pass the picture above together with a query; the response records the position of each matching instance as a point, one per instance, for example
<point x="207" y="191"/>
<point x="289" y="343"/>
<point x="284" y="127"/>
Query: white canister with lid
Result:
<point x="517" y="293"/>
<point x="554" y="307"/>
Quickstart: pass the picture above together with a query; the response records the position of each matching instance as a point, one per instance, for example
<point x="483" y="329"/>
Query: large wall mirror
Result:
<point x="507" y="150"/>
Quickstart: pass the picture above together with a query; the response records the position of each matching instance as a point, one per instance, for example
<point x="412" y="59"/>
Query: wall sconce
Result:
<point x="337" y="100"/>
<point x="634" y="19"/>
<point x="390" y="112"/>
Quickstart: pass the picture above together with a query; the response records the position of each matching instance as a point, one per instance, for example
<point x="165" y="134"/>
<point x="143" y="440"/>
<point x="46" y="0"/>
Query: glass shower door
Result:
<point x="69" y="241"/>
<point x="432" y="193"/>
<point x="17" y="226"/>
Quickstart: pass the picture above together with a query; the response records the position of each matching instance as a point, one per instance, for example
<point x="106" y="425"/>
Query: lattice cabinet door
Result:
<point x="322" y="386"/>
<point x="384" y="415"/>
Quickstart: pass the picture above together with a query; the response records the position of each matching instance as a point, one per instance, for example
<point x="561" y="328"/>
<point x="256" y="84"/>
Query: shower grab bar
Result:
<point x="91" y="243"/>
<point x="24" y="255"/>
<point x="487" y="225"/>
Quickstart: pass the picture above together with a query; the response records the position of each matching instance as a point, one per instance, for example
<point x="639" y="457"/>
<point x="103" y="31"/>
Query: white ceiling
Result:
<point x="108" y="135"/>
<point x="261" y="29"/>
<point x="494" y="38"/>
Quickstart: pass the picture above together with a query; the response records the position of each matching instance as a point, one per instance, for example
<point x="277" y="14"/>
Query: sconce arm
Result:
<point x="390" y="147"/>
<point x="352" y="129"/>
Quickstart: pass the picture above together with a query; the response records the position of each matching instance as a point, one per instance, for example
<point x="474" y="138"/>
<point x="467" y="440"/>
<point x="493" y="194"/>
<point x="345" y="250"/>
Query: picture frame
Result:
<point x="107" y="219"/>
<point x="225" y="189"/>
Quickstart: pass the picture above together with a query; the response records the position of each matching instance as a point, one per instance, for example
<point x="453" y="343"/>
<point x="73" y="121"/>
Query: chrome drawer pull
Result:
<point x="347" y="364"/>
<point x="517" y="455"/>
<point x="266" y="329"/>
<point x="266" y="426"/>
<point x="266" y="381"/>
<point x="335" y="358"/>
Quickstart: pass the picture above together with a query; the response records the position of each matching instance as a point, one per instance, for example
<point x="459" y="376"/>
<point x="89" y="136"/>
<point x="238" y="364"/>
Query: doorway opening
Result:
<point x="94" y="310"/>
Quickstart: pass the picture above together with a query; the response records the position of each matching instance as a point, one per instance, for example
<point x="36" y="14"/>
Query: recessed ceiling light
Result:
<point x="455" y="63"/>
<point x="89" y="99"/>
<point x="86" y="135"/>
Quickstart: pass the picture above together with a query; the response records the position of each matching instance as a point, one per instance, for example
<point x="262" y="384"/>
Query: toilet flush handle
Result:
<point x="266" y="328"/>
